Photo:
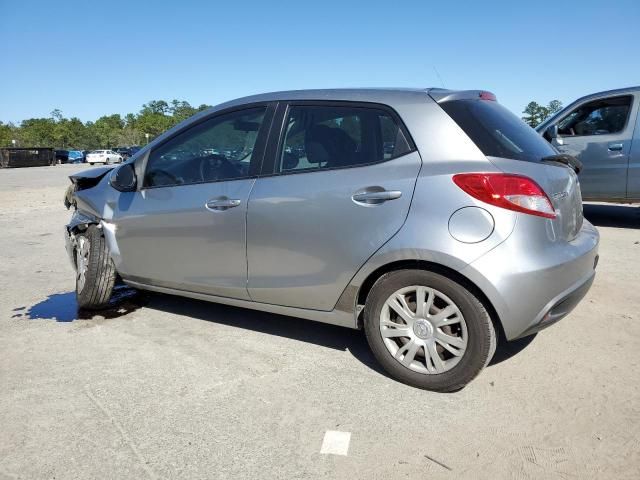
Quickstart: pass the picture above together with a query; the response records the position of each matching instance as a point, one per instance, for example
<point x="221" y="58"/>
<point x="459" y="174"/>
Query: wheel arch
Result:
<point x="415" y="264"/>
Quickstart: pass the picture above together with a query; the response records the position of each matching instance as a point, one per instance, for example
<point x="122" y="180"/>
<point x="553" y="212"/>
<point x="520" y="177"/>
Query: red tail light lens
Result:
<point x="513" y="192"/>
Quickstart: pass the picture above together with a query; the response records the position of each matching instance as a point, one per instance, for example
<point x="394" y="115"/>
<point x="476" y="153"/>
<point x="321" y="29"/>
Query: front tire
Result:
<point x="427" y="330"/>
<point x="95" y="273"/>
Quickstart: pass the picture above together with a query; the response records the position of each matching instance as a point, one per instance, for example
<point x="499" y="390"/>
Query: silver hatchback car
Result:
<point x="435" y="220"/>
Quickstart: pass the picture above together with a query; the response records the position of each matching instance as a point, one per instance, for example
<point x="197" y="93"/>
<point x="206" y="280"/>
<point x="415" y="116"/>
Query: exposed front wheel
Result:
<point x="427" y="330"/>
<point x="95" y="273"/>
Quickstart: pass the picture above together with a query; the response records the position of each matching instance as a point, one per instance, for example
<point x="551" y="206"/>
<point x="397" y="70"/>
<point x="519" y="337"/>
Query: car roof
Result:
<point x="617" y="91"/>
<point x="377" y="95"/>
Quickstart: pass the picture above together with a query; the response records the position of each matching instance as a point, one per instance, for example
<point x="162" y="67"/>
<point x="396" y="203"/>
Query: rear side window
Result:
<point x="325" y="137"/>
<point x="496" y="131"/>
<point x="600" y="117"/>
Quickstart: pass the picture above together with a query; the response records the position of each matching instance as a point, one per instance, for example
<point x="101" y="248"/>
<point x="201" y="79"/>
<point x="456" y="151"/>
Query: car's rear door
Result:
<point x="340" y="181"/>
<point x="185" y="227"/>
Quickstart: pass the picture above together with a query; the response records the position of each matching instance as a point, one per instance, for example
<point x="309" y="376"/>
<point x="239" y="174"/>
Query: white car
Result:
<point x="103" y="156"/>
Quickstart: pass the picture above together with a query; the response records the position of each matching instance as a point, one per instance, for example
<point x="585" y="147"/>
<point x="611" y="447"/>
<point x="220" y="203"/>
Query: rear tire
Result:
<point x="412" y="350"/>
<point x="95" y="273"/>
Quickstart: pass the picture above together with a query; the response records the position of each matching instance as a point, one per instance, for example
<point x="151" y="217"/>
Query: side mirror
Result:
<point x="551" y="133"/>
<point x="123" y="178"/>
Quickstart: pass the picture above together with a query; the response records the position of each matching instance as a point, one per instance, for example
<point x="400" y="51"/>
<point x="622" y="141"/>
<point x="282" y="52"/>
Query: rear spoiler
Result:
<point x="441" y="95"/>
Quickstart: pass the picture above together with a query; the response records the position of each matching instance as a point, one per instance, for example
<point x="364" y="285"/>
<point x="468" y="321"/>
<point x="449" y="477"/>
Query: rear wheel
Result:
<point x="427" y="330"/>
<point x="95" y="273"/>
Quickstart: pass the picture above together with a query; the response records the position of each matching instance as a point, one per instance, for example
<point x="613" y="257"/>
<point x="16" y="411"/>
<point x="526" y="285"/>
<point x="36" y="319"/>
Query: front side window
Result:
<point x="219" y="148"/>
<point x="324" y="137"/>
<point x="600" y="117"/>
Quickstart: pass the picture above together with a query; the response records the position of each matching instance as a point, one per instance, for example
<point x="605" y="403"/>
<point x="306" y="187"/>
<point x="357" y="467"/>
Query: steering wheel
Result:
<point x="217" y="167"/>
<point x="162" y="177"/>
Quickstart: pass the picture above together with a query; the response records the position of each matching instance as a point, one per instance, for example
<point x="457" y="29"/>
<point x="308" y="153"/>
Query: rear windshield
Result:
<point x="496" y="131"/>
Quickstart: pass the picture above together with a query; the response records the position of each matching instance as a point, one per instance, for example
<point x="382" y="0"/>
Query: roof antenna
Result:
<point x="438" y="74"/>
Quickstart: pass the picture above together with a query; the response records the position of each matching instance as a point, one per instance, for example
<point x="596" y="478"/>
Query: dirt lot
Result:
<point x="174" y="388"/>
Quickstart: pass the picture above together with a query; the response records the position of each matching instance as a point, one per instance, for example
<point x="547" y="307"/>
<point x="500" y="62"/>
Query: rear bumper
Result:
<point x="533" y="282"/>
<point x="559" y="307"/>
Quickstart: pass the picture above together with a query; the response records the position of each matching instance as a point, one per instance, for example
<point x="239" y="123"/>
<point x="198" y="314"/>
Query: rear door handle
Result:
<point x="376" y="197"/>
<point x="615" y="147"/>
<point x="222" y="204"/>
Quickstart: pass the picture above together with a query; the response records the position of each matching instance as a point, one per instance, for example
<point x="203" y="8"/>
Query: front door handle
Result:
<point x="222" y="204"/>
<point x="376" y="197"/>
<point x="615" y="147"/>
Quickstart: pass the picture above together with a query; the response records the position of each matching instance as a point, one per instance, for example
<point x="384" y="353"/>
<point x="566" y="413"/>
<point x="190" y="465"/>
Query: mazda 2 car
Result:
<point x="434" y="220"/>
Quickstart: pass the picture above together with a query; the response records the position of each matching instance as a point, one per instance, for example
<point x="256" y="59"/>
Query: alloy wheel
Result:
<point x="423" y="329"/>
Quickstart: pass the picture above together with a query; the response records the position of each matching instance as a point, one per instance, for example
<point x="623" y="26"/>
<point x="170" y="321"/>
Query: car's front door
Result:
<point x="599" y="133"/>
<point x="185" y="226"/>
<point x="633" y="179"/>
<point x="342" y="180"/>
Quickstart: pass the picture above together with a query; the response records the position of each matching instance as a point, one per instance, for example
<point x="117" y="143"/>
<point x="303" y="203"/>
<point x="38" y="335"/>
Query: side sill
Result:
<point x="334" y="317"/>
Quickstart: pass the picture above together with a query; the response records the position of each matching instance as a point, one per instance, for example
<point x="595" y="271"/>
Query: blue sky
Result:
<point x="90" y="58"/>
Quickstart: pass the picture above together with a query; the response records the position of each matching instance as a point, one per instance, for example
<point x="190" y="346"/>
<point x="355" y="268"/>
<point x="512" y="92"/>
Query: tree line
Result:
<point x="108" y="131"/>
<point x="154" y="118"/>
<point x="535" y="113"/>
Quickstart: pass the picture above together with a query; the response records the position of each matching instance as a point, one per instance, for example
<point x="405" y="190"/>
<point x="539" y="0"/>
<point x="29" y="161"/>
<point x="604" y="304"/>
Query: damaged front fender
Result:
<point x="87" y="194"/>
<point x="83" y="181"/>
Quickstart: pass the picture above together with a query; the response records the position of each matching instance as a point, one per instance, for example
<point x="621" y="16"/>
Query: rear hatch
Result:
<point x="515" y="148"/>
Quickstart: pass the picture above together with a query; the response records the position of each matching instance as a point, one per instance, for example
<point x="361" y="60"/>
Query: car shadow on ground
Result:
<point x="325" y="335"/>
<point x="613" y="215"/>
<point x="62" y="307"/>
<point x="505" y="350"/>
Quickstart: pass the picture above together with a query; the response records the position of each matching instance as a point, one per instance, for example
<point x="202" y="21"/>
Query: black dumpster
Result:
<point x="26" y="157"/>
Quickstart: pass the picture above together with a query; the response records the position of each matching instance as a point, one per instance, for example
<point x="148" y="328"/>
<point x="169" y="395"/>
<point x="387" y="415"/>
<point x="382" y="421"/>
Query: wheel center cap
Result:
<point x="423" y="329"/>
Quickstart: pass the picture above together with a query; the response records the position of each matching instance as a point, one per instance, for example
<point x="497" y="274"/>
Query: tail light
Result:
<point x="513" y="192"/>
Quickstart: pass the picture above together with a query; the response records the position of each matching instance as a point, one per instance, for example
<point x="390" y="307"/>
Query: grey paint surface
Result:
<point x="310" y="248"/>
<point x="167" y="235"/>
<point x="611" y="161"/>
<point x="306" y="237"/>
<point x="633" y="176"/>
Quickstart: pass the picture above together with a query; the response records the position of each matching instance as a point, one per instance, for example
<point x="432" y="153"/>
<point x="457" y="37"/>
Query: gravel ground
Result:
<point x="166" y="387"/>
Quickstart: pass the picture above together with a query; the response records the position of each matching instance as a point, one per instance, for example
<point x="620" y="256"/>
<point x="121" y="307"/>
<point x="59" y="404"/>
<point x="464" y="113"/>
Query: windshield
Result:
<point x="496" y="131"/>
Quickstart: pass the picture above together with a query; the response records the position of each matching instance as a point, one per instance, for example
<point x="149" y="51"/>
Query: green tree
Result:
<point x="181" y="110"/>
<point x="6" y="134"/>
<point x="155" y="106"/>
<point x="108" y="129"/>
<point x="554" y="106"/>
<point x="535" y="113"/>
<point x="57" y="131"/>
<point x="37" y="132"/>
